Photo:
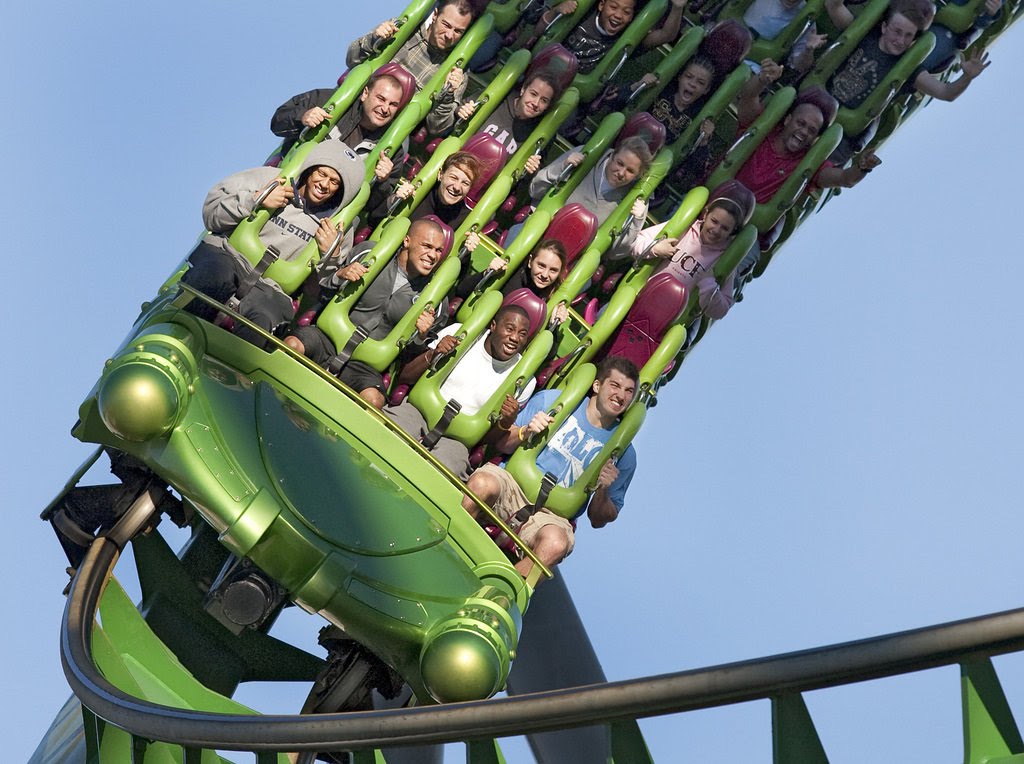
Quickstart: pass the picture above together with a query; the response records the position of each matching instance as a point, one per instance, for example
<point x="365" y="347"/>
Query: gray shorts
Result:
<point x="452" y="453"/>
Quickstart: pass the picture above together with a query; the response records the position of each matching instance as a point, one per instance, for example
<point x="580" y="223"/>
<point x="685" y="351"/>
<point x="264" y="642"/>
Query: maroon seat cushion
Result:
<point x="726" y="45"/>
<point x="449" y="234"/>
<point x="738" y="193"/>
<point x="821" y="98"/>
<point x="575" y="226"/>
<point x="535" y="307"/>
<point x="400" y="73"/>
<point x="659" y="303"/>
<point x="646" y="127"/>
<point x="557" y="62"/>
<point x="492" y="157"/>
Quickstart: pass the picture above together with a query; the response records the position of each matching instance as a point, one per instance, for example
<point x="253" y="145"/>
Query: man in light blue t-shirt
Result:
<point x="568" y="453"/>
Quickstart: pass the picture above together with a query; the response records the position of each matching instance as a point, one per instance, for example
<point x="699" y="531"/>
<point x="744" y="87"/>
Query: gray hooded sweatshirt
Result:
<point x="293" y="226"/>
<point x="589" y="193"/>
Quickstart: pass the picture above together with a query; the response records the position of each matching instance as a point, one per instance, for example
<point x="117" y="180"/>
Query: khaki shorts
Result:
<point x="511" y="499"/>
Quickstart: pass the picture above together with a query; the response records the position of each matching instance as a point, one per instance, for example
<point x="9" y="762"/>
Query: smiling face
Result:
<point x="453" y="184"/>
<point x="718" y="226"/>
<point x="623" y="168"/>
<point x="898" y="34"/>
<point x="380" y="103"/>
<point x="800" y="129"/>
<point x="534" y="99"/>
<point x="612" y="396"/>
<point x="615" y="15"/>
<point x="421" y="250"/>
<point x="448" y="27"/>
<point x="692" y="84"/>
<point x="509" y="332"/>
<point x="321" y="184"/>
<point x="545" y="267"/>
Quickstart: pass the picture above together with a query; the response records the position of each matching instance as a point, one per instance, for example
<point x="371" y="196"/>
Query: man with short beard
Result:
<point x="360" y="127"/>
<point x="782" y="150"/>
<point x="569" y="451"/>
<point x="423" y="53"/>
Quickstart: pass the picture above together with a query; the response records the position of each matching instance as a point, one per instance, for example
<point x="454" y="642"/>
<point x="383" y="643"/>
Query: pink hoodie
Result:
<point x="691" y="264"/>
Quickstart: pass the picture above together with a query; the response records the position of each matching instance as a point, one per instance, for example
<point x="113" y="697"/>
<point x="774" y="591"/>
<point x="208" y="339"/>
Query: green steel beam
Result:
<point x="794" y="738"/>
<point x="483" y="752"/>
<point x="628" y="746"/>
<point x="991" y="735"/>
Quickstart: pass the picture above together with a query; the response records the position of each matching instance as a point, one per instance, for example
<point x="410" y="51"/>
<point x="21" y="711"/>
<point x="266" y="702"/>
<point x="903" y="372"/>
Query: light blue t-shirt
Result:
<point x="575" y="445"/>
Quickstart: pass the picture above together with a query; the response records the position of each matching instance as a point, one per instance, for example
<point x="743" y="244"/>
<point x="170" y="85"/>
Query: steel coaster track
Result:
<point x="761" y="678"/>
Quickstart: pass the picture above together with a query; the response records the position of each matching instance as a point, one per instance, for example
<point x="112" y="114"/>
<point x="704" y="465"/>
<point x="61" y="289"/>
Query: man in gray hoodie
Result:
<point x="328" y="180"/>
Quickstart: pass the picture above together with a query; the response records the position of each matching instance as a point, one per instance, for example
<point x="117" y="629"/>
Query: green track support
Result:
<point x="368" y="757"/>
<point x="794" y="738"/>
<point x="991" y="735"/>
<point x="628" y="746"/>
<point x="483" y="752"/>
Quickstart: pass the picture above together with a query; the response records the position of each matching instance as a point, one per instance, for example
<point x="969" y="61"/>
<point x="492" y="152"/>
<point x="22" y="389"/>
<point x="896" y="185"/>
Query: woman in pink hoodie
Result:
<point x="691" y="257"/>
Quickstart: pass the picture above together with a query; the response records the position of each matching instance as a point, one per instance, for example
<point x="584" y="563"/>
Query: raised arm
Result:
<point x="610" y="496"/>
<point x="414" y="369"/>
<point x="546" y="176"/>
<point x="833" y="177"/>
<point x="288" y="120"/>
<point x="232" y="200"/>
<point x="669" y="29"/>
<point x="839" y="13"/>
<point x="362" y="48"/>
<point x="748" y="101"/>
<point x="441" y="117"/>
<point x="971" y="67"/>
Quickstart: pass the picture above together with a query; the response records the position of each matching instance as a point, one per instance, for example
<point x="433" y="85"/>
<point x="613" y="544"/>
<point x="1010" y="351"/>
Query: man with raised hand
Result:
<point x="567" y="454"/>
<point x="423" y="53"/>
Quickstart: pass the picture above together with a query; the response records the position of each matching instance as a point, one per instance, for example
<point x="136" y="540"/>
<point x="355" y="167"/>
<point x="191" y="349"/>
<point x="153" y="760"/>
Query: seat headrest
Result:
<point x="557" y="62"/>
<point x="492" y="157"/>
<point x="739" y="195"/>
<point x="534" y="306"/>
<point x="449" y="234"/>
<point x="818" y="96"/>
<point x="727" y="45"/>
<point x="405" y="79"/>
<point x="575" y="226"/>
<point x="646" y="127"/>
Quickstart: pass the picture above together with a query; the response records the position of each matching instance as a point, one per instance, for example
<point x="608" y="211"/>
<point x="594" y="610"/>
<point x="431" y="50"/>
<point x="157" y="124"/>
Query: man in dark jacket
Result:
<point x="360" y="127"/>
<point x="386" y="300"/>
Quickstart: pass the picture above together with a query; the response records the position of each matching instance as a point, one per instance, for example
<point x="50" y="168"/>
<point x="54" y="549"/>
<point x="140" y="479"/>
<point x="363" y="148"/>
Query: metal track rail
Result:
<point x="760" y="678"/>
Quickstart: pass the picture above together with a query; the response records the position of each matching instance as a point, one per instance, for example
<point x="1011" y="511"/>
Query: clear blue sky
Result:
<point x="840" y="458"/>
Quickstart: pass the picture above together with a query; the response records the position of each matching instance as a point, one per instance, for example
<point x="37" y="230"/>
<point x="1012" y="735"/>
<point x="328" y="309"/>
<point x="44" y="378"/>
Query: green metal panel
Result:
<point x="483" y="752"/>
<point x="990" y="732"/>
<point x="794" y="738"/>
<point x="628" y="745"/>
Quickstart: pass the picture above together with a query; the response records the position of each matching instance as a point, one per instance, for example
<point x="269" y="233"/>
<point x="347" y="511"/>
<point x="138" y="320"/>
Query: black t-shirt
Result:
<point x="861" y="73"/>
<point x="674" y="119"/>
<point x="589" y="44"/>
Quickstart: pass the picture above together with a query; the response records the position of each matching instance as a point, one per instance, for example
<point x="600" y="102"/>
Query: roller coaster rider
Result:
<point x="328" y="180"/>
<point x="571" y="448"/>
<point x="424" y="53"/>
<point x="386" y="300"/>
<point x="361" y="127"/>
